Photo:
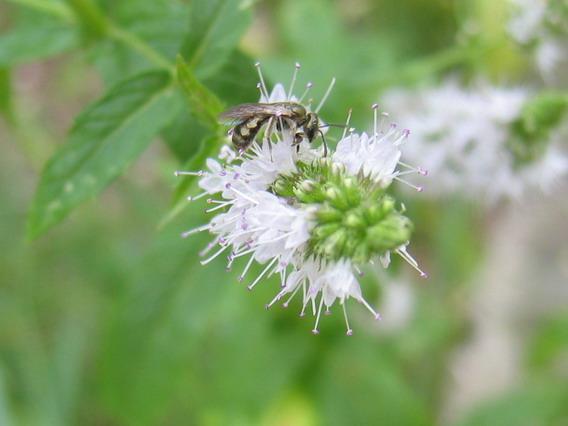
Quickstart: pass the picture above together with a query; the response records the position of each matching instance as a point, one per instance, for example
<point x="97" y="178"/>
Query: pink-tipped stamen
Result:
<point x="411" y="261"/>
<point x="415" y="187"/>
<point x="370" y="309"/>
<point x="197" y="197"/>
<point x="349" y="331"/>
<point x="315" y="330"/>
<point x="247" y="267"/>
<point x="264" y="271"/>
<point x="300" y="285"/>
<point x="185" y="173"/>
<point x="215" y="255"/>
<point x="195" y="230"/>
<point x="220" y="206"/>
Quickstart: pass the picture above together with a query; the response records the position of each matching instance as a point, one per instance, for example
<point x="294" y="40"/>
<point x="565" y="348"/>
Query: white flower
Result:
<point x="527" y="18"/>
<point x="376" y="156"/>
<point x="460" y="136"/>
<point x="253" y="222"/>
<point x="530" y="25"/>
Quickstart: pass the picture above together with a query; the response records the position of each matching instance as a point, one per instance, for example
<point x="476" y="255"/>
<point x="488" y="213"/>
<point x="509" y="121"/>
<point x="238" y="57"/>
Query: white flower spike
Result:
<point x="463" y="137"/>
<point x="310" y="219"/>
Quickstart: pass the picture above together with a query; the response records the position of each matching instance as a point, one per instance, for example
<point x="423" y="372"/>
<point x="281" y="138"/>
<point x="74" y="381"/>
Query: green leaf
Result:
<point x="215" y="28"/>
<point x="538" y="119"/>
<point x="161" y="24"/>
<point x="105" y="139"/>
<point x="203" y="103"/>
<point x="184" y="134"/>
<point x="235" y="83"/>
<point x="35" y="41"/>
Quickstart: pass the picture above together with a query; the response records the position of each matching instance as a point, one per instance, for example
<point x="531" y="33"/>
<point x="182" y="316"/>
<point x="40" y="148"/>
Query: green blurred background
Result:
<point x="108" y="319"/>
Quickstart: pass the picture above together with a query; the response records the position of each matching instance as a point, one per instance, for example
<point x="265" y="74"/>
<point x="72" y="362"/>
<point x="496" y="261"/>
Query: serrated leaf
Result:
<point x="215" y="28"/>
<point x="203" y="103"/>
<point x="105" y="139"/>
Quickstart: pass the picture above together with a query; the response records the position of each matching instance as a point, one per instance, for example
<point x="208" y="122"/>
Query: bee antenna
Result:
<point x="341" y="126"/>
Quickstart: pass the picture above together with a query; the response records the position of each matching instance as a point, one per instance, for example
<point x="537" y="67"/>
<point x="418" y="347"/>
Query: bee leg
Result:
<point x="324" y="144"/>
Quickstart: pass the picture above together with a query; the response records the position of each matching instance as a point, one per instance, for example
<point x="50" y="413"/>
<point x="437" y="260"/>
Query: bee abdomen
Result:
<point x="245" y="132"/>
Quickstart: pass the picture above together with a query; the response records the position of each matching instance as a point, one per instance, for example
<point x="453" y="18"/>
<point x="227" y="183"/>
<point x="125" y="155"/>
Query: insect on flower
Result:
<point x="247" y="119"/>
<point x="312" y="220"/>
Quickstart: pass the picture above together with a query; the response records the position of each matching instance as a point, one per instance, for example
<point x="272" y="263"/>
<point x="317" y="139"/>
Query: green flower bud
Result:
<point x="354" y="217"/>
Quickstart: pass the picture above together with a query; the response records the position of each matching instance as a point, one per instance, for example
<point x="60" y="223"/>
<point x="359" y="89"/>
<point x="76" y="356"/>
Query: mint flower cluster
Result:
<point x="310" y="219"/>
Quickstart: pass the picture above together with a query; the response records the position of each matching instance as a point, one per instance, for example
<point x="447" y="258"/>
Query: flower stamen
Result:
<point x="349" y="331"/>
<point x="263" y="89"/>
<point x="265" y="270"/>
<point x="308" y="88"/>
<point x="315" y="330"/>
<point x="402" y="252"/>
<point x="196" y="230"/>
<point x="291" y="90"/>
<point x="326" y="95"/>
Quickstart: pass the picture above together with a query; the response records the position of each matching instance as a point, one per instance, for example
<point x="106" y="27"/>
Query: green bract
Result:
<point x="355" y="218"/>
<point x="531" y="131"/>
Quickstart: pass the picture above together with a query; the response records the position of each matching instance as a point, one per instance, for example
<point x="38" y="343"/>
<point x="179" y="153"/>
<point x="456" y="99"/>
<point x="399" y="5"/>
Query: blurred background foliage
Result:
<point x="108" y="318"/>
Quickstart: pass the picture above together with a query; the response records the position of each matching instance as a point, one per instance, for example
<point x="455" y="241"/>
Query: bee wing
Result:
<point x="246" y="111"/>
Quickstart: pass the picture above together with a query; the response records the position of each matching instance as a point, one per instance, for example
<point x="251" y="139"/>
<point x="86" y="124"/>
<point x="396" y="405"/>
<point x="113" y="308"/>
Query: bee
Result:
<point x="249" y="118"/>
